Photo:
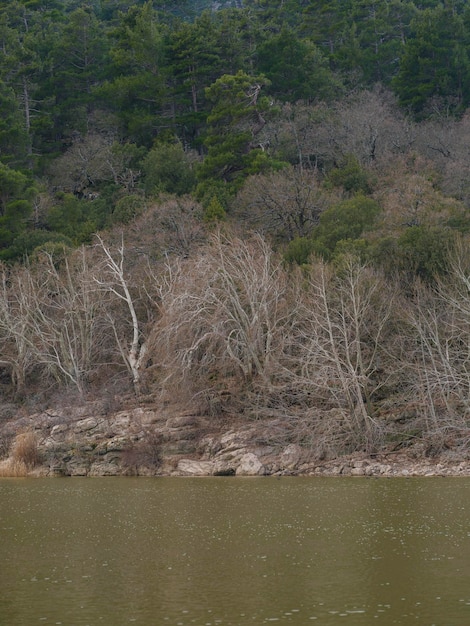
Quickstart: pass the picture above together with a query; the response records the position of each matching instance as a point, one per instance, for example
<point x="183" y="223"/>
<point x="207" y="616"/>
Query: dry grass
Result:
<point x="25" y="450"/>
<point x="24" y="456"/>
<point x="11" y="468"/>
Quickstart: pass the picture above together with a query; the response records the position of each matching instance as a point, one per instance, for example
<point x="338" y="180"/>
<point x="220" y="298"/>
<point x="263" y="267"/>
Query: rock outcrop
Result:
<point x="145" y="441"/>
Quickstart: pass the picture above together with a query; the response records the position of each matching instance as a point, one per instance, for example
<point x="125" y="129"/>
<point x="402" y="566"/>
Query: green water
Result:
<point x="235" y="551"/>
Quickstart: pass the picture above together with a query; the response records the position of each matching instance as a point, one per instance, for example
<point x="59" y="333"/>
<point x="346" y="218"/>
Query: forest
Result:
<point x="260" y="208"/>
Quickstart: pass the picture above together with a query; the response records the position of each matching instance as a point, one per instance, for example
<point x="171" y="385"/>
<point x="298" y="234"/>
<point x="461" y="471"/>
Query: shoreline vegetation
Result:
<point x="145" y="442"/>
<point x="335" y="358"/>
<point x="234" y="240"/>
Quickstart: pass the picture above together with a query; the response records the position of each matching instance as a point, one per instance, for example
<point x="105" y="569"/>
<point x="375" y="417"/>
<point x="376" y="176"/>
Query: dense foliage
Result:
<point x="336" y="130"/>
<point x="92" y="92"/>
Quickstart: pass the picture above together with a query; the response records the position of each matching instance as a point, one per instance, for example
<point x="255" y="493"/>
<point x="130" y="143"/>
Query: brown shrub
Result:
<point x="143" y="453"/>
<point x="25" y="449"/>
<point x="13" y="469"/>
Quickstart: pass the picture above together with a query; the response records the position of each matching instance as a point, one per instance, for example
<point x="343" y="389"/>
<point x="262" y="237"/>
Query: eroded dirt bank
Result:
<point x="148" y="442"/>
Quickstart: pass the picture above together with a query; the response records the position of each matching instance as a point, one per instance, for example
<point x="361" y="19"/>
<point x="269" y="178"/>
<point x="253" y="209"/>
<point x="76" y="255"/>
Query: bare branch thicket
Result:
<point x="17" y="303"/>
<point x="409" y="198"/>
<point x="440" y="320"/>
<point x="296" y="138"/>
<point x="225" y="319"/>
<point x="52" y="321"/>
<point x="456" y="179"/>
<point x="284" y="205"/>
<point x="367" y="126"/>
<point x="344" y="358"/>
<point x="83" y="164"/>
<point x="67" y="318"/>
<point x="169" y="225"/>
<point x="443" y="141"/>
<point x="370" y="127"/>
<point x="178" y="222"/>
<point x="91" y="159"/>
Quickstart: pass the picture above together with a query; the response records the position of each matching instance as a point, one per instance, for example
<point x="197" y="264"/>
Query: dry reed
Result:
<point x="25" y="450"/>
<point x="11" y="468"/>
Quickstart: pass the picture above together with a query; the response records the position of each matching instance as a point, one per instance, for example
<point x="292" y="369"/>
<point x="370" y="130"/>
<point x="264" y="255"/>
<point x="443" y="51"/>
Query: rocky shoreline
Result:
<point x="147" y="442"/>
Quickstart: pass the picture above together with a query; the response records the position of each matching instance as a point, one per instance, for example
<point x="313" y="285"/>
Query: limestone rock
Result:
<point x="78" y="470"/>
<point x="290" y="456"/>
<point x="224" y="468"/>
<point x="116" y="444"/>
<point x="104" y="468"/>
<point x="190" y="467"/>
<point x="86" y="425"/>
<point x="59" y="431"/>
<point x="209" y="446"/>
<point x="182" y="420"/>
<point x="250" y="465"/>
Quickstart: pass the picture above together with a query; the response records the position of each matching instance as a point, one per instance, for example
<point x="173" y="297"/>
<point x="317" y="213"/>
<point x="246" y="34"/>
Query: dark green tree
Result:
<point x="136" y="91"/>
<point x="23" y="33"/>
<point x="296" y="68"/>
<point x="14" y="145"/>
<point x="435" y="62"/>
<point x="194" y="57"/>
<point x="16" y="193"/>
<point x="237" y="116"/>
<point x="325" y="22"/>
<point x="78" y="59"/>
<point x="376" y="40"/>
<point x="167" y="168"/>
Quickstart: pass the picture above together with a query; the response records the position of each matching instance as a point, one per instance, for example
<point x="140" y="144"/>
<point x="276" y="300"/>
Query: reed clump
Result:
<point x="10" y="468"/>
<point x="24" y="456"/>
<point x="25" y="450"/>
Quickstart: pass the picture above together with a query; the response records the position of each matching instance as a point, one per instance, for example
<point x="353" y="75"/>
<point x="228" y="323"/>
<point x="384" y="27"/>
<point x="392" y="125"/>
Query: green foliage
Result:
<point x="236" y="117"/>
<point x="351" y="177"/>
<point x="29" y="243"/>
<point x="136" y="90"/>
<point x="16" y="194"/>
<point x="299" y="250"/>
<point x="296" y="68"/>
<point x="424" y="252"/>
<point x="214" y="212"/>
<point x="167" y="168"/>
<point x="212" y="188"/>
<point x="347" y="220"/>
<point x="195" y="56"/>
<point x="359" y="249"/>
<point x="435" y="62"/>
<point x="13" y="135"/>
<point x="127" y="208"/>
<point x="421" y="251"/>
<point x="75" y="218"/>
<point x="14" y="186"/>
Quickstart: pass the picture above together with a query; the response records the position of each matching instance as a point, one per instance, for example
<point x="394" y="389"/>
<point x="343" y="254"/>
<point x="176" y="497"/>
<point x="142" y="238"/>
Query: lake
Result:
<point x="235" y="551"/>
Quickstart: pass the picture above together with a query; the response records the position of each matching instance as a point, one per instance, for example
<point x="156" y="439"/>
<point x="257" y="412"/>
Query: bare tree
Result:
<point x="17" y="303"/>
<point x="445" y="142"/>
<point x="66" y="318"/>
<point x="343" y="356"/>
<point x="409" y="199"/>
<point x="112" y="278"/>
<point x="92" y="159"/>
<point x="370" y="127"/>
<point x="440" y="322"/>
<point x="367" y="126"/>
<point x="285" y="204"/>
<point x="225" y="318"/>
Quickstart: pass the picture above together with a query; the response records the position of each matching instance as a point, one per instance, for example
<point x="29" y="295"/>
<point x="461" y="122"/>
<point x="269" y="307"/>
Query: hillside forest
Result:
<point x="259" y="209"/>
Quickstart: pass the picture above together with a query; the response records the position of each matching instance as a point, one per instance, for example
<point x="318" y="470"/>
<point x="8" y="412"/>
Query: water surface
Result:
<point x="235" y="551"/>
